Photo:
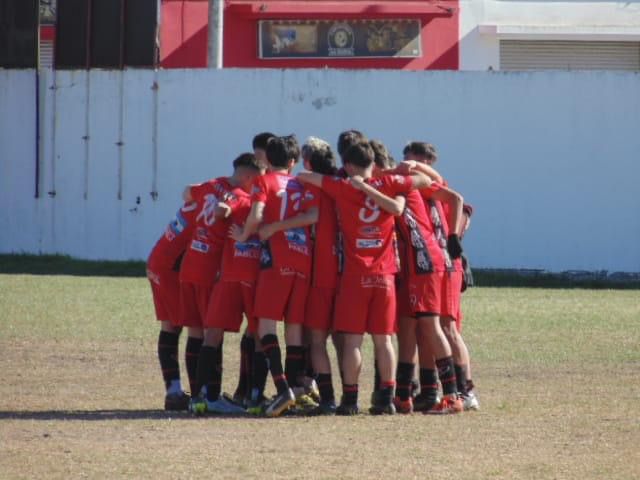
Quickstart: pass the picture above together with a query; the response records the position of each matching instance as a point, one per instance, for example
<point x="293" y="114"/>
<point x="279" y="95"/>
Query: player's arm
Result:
<point x="311" y="178"/>
<point x="455" y="202"/>
<point x="411" y="166"/>
<point x="395" y="206"/>
<point x="222" y="210"/>
<point x="301" y="220"/>
<point x="241" y="234"/>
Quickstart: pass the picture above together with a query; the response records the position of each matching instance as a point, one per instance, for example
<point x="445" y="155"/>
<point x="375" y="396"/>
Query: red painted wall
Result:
<point x="183" y="31"/>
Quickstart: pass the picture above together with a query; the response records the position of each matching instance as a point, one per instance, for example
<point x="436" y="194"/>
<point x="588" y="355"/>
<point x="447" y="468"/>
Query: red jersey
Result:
<point x="367" y="230"/>
<point x="284" y="196"/>
<point x="201" y="260"/>
<point x="241" y="260"/>
<point x="176" y="236"/>
<point x="439" y="226"/>
<point x="422" y="252"/>
<point x="325" y="242"/>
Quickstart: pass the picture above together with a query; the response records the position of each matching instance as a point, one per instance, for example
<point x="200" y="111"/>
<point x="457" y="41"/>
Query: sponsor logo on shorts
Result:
<point x="368" y="243"/>
<point x="199" y="246"/>
<point x="369" y="231"/>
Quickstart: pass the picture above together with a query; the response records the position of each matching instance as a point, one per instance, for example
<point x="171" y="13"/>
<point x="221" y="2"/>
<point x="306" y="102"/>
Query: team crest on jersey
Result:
<point x="368" y="243"/>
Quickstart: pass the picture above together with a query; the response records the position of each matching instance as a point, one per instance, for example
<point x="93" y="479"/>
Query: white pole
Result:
<point x="216" y="16"/>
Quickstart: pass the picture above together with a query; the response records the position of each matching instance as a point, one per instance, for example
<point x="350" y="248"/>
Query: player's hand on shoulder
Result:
<point x="222" y="210"/>
<point x="406" y="167"/>
<point x="357" y="181"/>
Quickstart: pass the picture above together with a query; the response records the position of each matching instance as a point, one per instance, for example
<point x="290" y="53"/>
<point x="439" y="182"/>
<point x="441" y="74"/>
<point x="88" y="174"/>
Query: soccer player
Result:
<point x="162" y="271"/>
<point x="425" y="155"/>
<point x="366" y="293"/>
<point x="318" y="157"/>
<point x="285" y="263"/>
<point x="201" y="263"/>
<point x="259" y="144"/>
<point x="232" y="295"/>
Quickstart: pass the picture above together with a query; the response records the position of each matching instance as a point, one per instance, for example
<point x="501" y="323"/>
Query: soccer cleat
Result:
<point x="311" y="389"/>
<point x="470" y="401"/>
<point x="177" y="402"/>
<point x="198" y="405"/>
<point x="382" y="409"/>
<point x="240" y="398"/>
<point x="304" y="402"/>
<point x="448" y="405"/>
<point x="224" y="405"/>
<point x="425" y="402"/>
<point x="324" y="408"/>
<point x="280" y="404"/>
<point x="347" y="410"/>
<point x="403" y="406"/>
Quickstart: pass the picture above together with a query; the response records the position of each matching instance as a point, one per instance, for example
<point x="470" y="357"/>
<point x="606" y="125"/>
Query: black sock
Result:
<point x="404" y="375"/>
<point x="247" y="347"/>
<point x="385" y="394"/>
<point x="209" y="371"/>
<point x="447" y="374"/>
<point x="376" y="376"/>
<point x="271" y="350"/>
<point x="191" y="360"/>
<point x="294" y="365"/>
<point x="428" y="382"/>
<point x="350" y="394"/>
<point x="308" y="365"/>
<point x="168" y="357"/>
<point x="461" y="379"/>
<point x="325" y="385"/>
<point x="259" y="375"/>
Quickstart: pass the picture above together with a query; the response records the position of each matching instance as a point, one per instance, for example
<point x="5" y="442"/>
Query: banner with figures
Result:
<point x="339" y="39"/>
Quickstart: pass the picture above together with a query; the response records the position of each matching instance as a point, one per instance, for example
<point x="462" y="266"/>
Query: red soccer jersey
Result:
<point x="439" y="226"/>
<point x="325" y="242"/>
<point x="368" y="231"/>
<point x="284" y="196"/>
<point x="241" y="260"/>
<point x="422" y="250"/>
<point x="201" y="260"/>
<point x="176" y="236"/>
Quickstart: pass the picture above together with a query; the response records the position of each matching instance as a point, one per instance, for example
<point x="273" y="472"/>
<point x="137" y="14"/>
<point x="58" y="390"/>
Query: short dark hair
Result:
<point x="293" y="148"/>
<point x="359" y="154"/>
<point x="422" y="149"/>
<point x="381" y="155"/>
<point x="261" y="140"/>
<point x="246" y="160"/>
<point x="349" y="138"/>
<point x="278" y="152"/>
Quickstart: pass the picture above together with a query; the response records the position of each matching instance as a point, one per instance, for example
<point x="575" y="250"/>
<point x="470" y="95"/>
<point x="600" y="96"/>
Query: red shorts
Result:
<point x="426" y="292"/>
<point x="319" y="308"/>
<point x="229" y="301"/>
<point x="451" y="295"/>
<point x="281" y="293"/>
<point x="366" y="304"/>
<point x="165" y="288"/>
<point x="194" y="301"/>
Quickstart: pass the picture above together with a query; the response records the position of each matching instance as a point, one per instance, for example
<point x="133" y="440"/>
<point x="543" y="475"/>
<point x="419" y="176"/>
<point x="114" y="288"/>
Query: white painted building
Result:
<point x="564" y="35"/>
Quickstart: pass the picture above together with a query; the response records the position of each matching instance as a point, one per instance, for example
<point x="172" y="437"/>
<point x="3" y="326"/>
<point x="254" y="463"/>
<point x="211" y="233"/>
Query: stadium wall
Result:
<point x="550" y="160"/>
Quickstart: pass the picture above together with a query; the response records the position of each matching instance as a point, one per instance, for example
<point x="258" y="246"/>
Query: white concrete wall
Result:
<point x="577" y="19"/>
<point x="550" y="160"/>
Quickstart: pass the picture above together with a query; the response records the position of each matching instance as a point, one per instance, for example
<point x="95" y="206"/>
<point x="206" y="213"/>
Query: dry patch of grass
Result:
<point x="81" y="393"/>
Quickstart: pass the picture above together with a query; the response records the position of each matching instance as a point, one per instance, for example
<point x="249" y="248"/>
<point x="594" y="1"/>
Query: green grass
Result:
<point x="556" y="371"/>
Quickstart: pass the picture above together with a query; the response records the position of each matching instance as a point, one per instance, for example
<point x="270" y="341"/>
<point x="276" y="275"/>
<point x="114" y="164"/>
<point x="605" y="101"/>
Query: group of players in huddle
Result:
<point x="371" y="247"/>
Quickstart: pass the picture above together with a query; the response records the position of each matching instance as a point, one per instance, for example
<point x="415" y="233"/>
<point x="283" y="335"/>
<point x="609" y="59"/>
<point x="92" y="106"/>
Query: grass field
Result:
<point x="81" y="393"/>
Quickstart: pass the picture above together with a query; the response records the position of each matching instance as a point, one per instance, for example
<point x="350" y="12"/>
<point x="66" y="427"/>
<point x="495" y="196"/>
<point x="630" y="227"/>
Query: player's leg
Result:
<point x="407" y="342"/>
<point x="247" y="348"/>
<point x="267" y="330"/>
<point x="430" y="331"/>
<point x="351" y="366"/>
<point x="385" y="357"/>
<point x="428" y="396"/>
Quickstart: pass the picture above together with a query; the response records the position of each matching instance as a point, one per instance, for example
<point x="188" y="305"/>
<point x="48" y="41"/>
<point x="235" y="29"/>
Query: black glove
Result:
<point x="453" y="246"/>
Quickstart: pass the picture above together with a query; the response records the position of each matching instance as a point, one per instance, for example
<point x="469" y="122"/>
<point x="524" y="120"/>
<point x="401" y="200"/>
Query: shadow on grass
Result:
<point x="102" y="415"/>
